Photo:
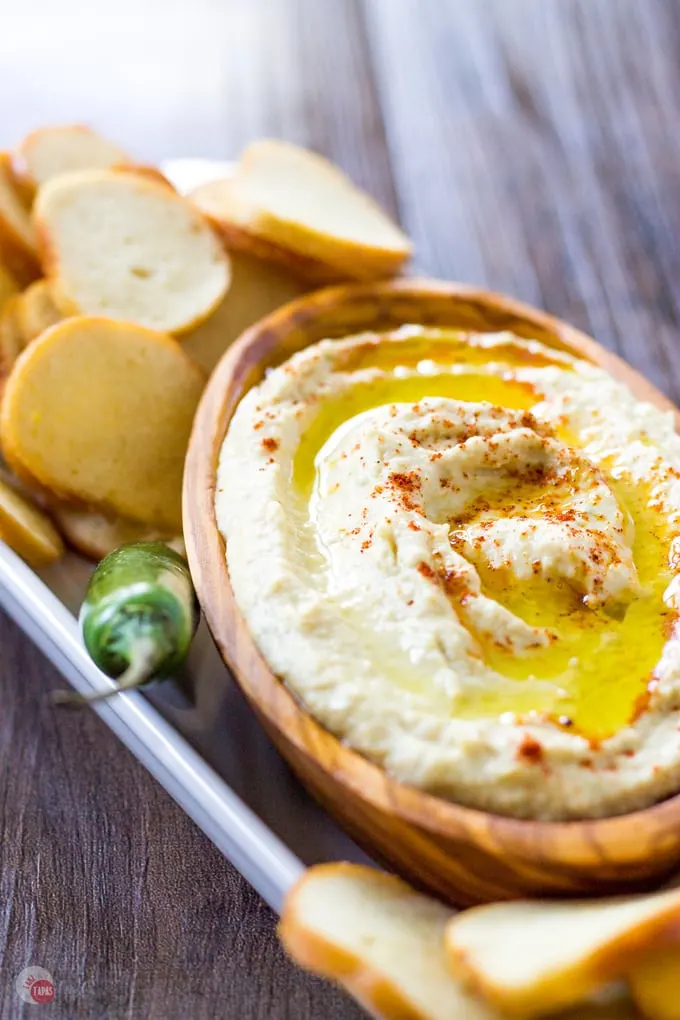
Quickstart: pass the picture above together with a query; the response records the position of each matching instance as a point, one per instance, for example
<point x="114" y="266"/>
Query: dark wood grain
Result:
<point x="528" y="145"/>
<point x="548" y="135"/>
<point x="107" y="884"/>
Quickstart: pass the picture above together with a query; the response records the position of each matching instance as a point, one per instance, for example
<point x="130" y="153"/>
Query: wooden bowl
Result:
<point x="463" y="855"/>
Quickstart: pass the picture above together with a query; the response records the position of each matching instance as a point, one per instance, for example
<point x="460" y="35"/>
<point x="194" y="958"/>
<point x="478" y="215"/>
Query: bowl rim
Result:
<point x="268" y="694"/>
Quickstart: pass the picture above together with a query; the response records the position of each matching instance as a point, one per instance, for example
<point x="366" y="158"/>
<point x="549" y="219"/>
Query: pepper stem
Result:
<point x="144" y="658"/>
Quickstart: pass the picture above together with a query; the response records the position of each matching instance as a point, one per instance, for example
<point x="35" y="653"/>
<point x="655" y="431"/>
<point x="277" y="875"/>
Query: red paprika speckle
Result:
<point x="530" y="750"/>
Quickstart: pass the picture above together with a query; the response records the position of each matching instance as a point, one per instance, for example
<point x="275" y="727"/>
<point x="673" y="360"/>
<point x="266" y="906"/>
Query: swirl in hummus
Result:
<point x="460" y="551"/>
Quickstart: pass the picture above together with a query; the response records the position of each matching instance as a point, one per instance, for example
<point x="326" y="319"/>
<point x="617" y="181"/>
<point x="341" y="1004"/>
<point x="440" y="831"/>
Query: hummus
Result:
<point x="461" y="553"/>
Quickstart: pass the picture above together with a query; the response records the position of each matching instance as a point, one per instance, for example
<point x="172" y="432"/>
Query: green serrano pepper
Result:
<point x="138" y="617"/>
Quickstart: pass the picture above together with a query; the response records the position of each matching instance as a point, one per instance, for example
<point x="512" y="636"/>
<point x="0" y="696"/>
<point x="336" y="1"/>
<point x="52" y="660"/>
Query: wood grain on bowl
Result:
<point x="464" y="855"/>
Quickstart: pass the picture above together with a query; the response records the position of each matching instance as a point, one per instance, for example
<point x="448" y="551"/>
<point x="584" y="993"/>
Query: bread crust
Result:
<point x="156" y="501"/>
<point x="36" y="311"/>
<point x="376" y="992"/>
<point x="11" y="337"/>
<point x="8" y="285"/>
<point x="361" y="261"/>
<point x="26" y="181"/>
<point x="357" y="263"/>
<point x="18" y="248"/>
<point x="152" y="173"/>
<point x="556" y="989"/>
<point x="27" y="530"/>
<point x="231" y="221"/>
<point x="94" y="534"/>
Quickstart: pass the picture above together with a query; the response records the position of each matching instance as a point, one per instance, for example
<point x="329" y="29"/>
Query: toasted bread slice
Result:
<point x="122" y="245"/>
<point x="18" y="251"/>
<point x="529" y="958"/>
<point x="298" y="199"/>
<point x="655" y="983"/>
<point x="257" y="288"/>
<point x="144" y="170"/>
<point x="11" y="336"/>
<point x="95" y="535"/>
<point x="232" y="220"/>
<point x="27" y="530"/>
<point x="51" y="151"/>
<point x="8" y="285"/>
<point x="23" y="190"/>
<point x="36" y="311"/>
<point x="100" y="411"/>
<point x="383" y="942"/>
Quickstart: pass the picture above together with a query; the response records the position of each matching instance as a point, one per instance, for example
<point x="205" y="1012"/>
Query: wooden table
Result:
<point x="531" y="145"/>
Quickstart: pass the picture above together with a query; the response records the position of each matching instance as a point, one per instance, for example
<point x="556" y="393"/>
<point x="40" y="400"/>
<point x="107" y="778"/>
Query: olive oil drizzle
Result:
<point x="594" y="676"/>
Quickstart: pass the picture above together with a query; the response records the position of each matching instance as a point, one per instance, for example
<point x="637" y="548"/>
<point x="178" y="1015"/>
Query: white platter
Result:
<point x="196" y="735"/>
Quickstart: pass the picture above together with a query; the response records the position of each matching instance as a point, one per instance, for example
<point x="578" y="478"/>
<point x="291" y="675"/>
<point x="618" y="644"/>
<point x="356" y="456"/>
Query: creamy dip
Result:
<point x="460" y="552"/>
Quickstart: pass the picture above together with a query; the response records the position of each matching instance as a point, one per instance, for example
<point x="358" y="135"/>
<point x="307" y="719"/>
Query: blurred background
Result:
<point x="531" y="145"/>
<point x="518" y="140"/>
